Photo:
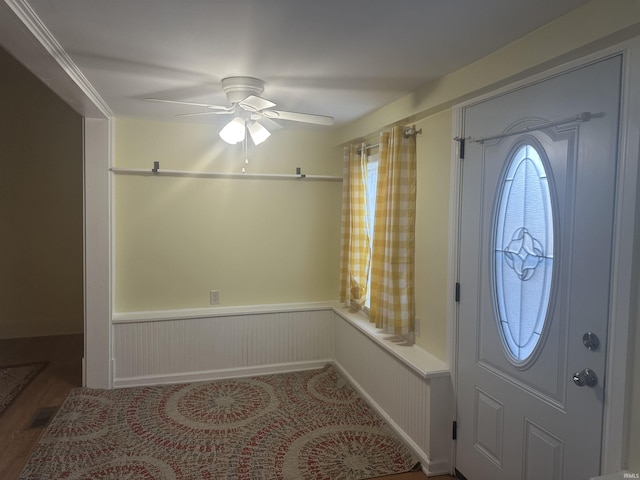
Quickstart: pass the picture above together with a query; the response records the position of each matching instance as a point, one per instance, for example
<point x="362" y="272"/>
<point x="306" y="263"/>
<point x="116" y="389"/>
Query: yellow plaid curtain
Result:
<point x="392" y="270"/>
<point x="355" y="246"/>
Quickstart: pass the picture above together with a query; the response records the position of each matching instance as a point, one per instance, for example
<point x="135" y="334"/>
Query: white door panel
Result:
<point x="520" y="413"/>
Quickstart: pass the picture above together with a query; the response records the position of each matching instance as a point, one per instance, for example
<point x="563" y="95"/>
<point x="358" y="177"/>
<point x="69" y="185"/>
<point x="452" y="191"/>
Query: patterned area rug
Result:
<point x="14" y="378"/>
<point x="302" y="425"/>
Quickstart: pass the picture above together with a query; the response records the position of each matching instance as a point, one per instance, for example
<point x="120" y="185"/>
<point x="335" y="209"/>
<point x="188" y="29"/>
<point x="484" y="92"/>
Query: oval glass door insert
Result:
<point x="523" y="253"/>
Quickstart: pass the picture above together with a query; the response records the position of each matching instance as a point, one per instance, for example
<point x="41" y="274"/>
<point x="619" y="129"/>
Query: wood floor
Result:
<point x="49" y="389"/>
<point x="64" y="372"/>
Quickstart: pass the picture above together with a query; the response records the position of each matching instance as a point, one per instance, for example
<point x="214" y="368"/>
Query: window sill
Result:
<point x="415" y="357"/>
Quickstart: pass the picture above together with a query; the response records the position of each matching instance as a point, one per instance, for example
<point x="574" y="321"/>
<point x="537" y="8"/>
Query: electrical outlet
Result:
<point x="214" y="297"/>
<point x="416" y="327"/>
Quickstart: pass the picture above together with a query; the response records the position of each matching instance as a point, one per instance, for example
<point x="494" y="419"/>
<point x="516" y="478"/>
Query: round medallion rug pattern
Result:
<point x="301" y="425"/>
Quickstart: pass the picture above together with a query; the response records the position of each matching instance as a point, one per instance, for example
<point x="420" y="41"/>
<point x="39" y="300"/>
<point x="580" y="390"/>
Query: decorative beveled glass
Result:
<point x="523" y="253"/>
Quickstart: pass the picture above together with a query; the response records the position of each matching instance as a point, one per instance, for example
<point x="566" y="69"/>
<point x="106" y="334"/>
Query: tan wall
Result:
<point x="258" y="241"/>
<point x="40" y="208"/>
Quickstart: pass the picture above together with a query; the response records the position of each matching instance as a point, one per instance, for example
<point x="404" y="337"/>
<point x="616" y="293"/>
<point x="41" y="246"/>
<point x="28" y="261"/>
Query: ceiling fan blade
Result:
<point x="299" y="117"/>
<point x="202" y="113"/>
<point x="267" y="123"/>
<point x="254" y="103"/>
<point x="206" y="105"/>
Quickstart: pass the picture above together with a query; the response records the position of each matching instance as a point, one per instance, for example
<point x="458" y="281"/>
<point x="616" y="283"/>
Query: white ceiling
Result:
<point x="343" y="58"/>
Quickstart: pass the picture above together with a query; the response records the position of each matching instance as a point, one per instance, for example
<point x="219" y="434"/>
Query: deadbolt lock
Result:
<point x="591" y="341"/>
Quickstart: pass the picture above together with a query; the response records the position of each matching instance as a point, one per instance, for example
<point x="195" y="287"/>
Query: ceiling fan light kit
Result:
<point x="247" y="108"/>
<point x="234" y="131"/>
<point x="258" y="133"/>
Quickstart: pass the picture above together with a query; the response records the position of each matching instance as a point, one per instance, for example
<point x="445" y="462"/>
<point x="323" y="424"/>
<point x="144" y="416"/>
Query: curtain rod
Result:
<point x="580" y="117"/>
<point x="155" y="171"/>
<point x="367" y="147"/>
<point x="408" y="132"/>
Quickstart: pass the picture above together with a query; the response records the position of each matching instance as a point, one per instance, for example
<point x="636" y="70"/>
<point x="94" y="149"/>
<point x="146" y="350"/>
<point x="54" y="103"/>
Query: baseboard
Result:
<point x="208" y="375"/>
<point x="438" y="467"/>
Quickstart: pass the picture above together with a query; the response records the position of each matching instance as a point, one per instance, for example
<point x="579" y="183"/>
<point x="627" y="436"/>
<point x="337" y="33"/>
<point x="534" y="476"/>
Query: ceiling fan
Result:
<point x="248" y="109"/>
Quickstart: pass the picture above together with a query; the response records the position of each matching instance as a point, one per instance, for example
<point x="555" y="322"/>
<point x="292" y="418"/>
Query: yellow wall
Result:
<point x="433" y="150"/>
<point x="257" y="241"/>
<point x="41" y="208"/>
<point x="597" y="25"/>
<point x="278" y="241"/>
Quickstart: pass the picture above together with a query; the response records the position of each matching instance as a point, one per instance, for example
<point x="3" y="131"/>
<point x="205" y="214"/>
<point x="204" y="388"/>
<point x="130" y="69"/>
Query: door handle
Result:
<point x="585" y="377"/>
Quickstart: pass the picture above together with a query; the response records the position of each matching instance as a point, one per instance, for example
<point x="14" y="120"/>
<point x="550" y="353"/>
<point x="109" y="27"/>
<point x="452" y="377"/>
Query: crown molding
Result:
<point x="91" y="103"/>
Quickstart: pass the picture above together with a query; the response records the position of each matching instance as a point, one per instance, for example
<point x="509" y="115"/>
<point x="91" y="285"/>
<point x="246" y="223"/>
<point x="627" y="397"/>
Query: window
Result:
<point x="523" y="253"/>
<point x="372" y="186"/>
<point x="389" y="260"/>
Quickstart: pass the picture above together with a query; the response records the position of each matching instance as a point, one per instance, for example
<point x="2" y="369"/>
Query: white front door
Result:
<point x="538" y="188"/>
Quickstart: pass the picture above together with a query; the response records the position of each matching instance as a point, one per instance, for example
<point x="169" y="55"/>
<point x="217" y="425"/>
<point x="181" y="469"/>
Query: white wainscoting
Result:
<point x="408" y="386"/>
<point x="411" y="389"/>
<point x="160" y="348"/>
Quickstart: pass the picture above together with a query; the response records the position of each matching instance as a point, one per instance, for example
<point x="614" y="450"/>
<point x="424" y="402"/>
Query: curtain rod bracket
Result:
<point x="156" y="167"/>
<point x="410" y="131"/>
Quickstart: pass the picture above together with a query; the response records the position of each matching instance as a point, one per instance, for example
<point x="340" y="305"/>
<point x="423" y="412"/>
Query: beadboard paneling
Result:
<point x="188" y="349"/>
<point x="419" y="408"/>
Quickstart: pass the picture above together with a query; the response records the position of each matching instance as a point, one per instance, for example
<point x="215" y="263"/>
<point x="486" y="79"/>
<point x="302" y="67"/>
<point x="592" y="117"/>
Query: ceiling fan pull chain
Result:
<point x="246" y="157"/>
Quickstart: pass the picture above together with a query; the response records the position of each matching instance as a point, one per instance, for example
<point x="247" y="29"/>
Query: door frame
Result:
<point x="626" y="241"/>
<point x="27" y="39"/>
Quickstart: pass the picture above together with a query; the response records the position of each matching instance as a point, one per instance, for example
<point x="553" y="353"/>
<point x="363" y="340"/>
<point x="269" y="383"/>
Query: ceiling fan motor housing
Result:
<point x="239" y="88"/>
